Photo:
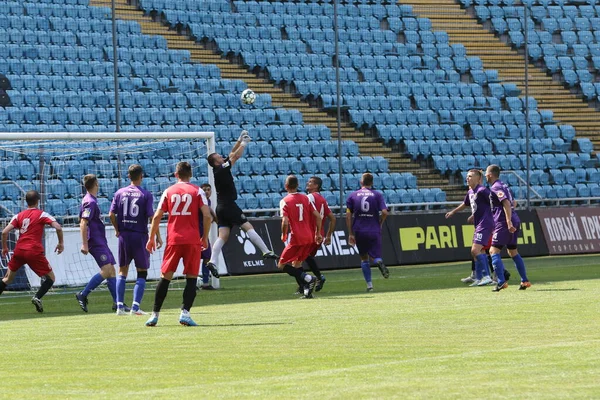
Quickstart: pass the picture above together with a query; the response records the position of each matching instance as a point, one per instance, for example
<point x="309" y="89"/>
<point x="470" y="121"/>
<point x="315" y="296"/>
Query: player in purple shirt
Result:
<point x="365" y="212"/>
<point x="94" y="242"/>
<point x="478" y="198"/>
<point x="130" y="211"/>
<point x="506" y="228"/>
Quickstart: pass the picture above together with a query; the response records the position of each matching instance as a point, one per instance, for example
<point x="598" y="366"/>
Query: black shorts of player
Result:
<point x="230" y="214"/>
<point x="501" y="246"/>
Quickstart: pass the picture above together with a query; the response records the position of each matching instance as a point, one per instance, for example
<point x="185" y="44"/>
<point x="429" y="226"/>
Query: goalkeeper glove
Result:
<point x="244" y="133"/>
<point x="245" y="140"/>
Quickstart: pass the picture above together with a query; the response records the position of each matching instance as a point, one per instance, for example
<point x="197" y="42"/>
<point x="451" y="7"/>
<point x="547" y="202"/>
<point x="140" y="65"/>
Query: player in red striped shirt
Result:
<point x="30" y="249"/>
<point x="313" y="187"/>
<point x="184" y="202"/>
<point x="303" y="222"/>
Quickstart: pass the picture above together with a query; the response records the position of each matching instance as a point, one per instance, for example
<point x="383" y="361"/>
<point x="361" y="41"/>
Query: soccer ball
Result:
<point x="248" y="96"/>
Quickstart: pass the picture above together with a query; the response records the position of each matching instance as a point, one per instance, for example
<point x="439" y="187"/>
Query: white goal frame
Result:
<point x="91" y="136"/>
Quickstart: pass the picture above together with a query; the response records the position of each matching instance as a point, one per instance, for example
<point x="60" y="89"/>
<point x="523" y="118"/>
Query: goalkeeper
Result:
<point x="229" y="213"/>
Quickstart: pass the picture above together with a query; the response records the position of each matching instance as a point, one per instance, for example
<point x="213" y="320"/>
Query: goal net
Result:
<point x="54" y="164"/>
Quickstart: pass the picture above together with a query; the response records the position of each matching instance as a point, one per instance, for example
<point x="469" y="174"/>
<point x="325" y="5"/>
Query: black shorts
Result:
<point x="230" y="214"/>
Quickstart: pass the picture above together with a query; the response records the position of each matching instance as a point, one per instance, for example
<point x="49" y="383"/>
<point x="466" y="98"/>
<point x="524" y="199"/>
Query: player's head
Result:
<point x="474" y="178"/>
<point x="207" y="189"/>
<point x="291" y="183"/>
<point x="314" y="184"/>
<point x="90" y="182"/>
<point x="492" y="173"/>
<point x="135" y="172"/>
<point x="366" y="180"/>
<point x="183" y="171"/>
<point x="32" y="198"/>
<point x="215" y="159"/>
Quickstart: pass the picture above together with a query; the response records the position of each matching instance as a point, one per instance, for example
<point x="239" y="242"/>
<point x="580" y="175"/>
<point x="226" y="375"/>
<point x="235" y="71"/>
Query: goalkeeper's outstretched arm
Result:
<point x="240" y="145"/>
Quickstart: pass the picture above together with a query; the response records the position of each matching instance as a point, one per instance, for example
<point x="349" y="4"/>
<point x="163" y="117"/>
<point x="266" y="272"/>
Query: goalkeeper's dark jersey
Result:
<point x="226" y="191"/>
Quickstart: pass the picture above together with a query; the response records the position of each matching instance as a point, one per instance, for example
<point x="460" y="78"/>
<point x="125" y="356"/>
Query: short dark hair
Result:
<point x="32" y="197"/>
<point x="205" y="185"/>
<point x="476" y="172"/>
<point x="183" y="170"/>
<point x="494" y="170"/>
<point x="367" y="179"/>
<point x="318" y="181"/>
<point x="135" y="172"/>
<point x="291" y="182"/>
<point x="89" y="181"/>
<point x="211" y="159"/>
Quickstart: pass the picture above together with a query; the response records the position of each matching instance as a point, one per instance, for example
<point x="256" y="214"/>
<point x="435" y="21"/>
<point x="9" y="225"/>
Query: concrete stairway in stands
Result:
<point x="550" y="94"/>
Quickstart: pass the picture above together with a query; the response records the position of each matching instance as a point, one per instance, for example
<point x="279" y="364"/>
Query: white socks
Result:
<point x="216" y="250"/>
<point x="257" y="240"/>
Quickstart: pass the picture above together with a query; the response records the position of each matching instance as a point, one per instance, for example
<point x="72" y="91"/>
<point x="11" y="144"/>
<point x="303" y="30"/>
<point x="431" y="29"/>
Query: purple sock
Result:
<point x="112" y="287"/>
<point x="120" y="289"/>
<point x="138" y="293"/>
<point x="94" y="282"/>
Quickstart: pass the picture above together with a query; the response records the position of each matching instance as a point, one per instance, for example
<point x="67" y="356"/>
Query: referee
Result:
<point x="229" y="213"/>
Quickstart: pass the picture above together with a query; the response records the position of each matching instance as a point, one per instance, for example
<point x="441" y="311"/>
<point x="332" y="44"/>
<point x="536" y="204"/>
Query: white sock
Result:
<point x="216" y="250"/>
<point x="308" y="278"/>
<point x="257" y="240"/>
<point x="370" y="285"/>
<point x="185" y="313"/>
<point x="155" y="314"/>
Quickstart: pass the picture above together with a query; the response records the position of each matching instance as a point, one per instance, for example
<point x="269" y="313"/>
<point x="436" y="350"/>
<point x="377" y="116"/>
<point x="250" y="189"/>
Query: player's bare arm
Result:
<point x="5" y="232"/>
<point x="113" y="220"/>
<point x="207" y="220"/>
<point x="285" y="226"/>
<point x="83" y="229"/>
<point x="151" y="245"/>
<point x="351" y="239"/>
<point x="508" y="213"/>
<point x="238" y="149"/>
<point x="460" y="207"/>
<point x="331" y="228"/>
<point x="319" y="222"/>
<point x="59" y="234"/>
<point x="384" y="214"/>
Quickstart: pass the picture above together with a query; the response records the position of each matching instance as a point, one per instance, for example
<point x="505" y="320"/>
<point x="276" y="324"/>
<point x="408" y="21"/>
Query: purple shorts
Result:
<point x="102" y="255"/>
<point x="502" y="237"/>
<point x="132" y="247"/>
<point x="482" y="235"/>
<point x="368" y="243"/>
<point x="207" y="253"/>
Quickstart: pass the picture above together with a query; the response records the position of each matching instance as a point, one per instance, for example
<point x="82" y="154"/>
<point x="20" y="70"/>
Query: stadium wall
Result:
<point x="407" y="239"/>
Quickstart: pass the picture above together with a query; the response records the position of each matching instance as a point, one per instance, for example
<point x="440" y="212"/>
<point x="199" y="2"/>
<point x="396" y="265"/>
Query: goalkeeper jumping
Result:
<point x="229" y="213"/>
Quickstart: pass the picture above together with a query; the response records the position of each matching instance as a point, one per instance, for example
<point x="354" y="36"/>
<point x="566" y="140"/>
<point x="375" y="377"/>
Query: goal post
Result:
<point x="54" y="163"/>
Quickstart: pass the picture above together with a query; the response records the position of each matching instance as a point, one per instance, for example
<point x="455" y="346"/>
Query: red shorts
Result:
<point x="191" y="255"/>
<point x="295" y="252"/>
<point x="36" y="260"/>
<point x="487" y="246"/>
<point x="313" y="250"/>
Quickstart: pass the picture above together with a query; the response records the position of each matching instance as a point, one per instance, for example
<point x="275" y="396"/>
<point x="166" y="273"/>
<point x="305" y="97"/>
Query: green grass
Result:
<point x="422" y="334"/>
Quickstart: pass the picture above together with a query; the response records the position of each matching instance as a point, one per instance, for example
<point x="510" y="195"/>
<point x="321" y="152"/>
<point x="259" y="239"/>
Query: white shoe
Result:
<point x="486" y="280"/>
<point x="121" y="311"/>
<point x="468" y="279"/>
<point x="475" y="283"/>
<point x="138" y="312"/>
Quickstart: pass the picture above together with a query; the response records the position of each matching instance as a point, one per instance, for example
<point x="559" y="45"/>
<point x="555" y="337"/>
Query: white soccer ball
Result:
<point x="248" y="96"/>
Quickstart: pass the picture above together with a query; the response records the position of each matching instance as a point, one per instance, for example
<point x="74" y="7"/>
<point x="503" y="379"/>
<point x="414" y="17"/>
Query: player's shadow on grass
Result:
<point x="556" y="290"/>
<point x="250" y="324"/>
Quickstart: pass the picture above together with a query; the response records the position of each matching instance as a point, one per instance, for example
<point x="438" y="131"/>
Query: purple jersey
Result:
<point x="479" y="201"/>
<point x="499" y="192"/>
<point x="91" y="212"/>
<point x="365" y="204"/>
<point x="133" y="207"/>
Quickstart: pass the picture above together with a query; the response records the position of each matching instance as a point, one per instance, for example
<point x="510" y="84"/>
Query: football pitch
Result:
<point x="420" y="334"/>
